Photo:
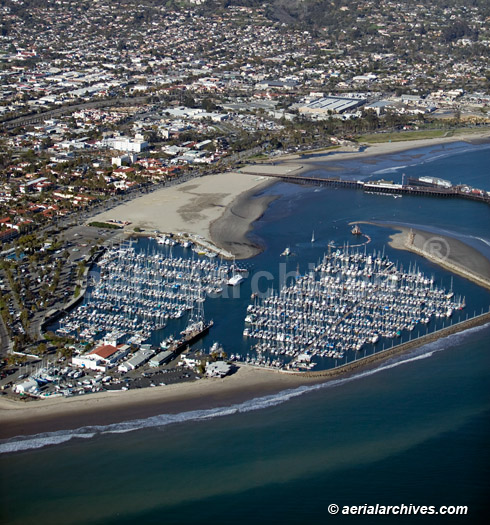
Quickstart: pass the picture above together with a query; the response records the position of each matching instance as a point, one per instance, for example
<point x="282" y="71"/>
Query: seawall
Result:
<point x="452" y="267"/>
<point x="384" y="355"/>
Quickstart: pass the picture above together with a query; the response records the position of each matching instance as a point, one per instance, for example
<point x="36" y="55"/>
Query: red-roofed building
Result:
<point x="102" y="358"/>
<point x="104" y="351"/>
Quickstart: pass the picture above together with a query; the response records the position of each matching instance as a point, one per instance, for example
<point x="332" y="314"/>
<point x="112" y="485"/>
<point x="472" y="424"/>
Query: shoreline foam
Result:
<point x="18" y="418"/>
<point x="108" y="408"/>
<point x="379" y="148"/>
<point x="204" y="205"/>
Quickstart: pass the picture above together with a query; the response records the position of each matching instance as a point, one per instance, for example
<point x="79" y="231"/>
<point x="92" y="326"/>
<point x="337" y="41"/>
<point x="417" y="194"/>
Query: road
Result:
<point x="5" y="342"/>
<point x="34" y="118"/>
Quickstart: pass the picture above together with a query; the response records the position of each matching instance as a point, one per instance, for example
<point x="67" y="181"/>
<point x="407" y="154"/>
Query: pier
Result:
<point x="381" y="188"/>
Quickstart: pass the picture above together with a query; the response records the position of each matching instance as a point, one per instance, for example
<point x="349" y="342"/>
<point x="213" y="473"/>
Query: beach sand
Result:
<point x="443" y="250"/>
<point x="222" y="207"/>
<point x="271" y="169"/>
<point x="230" y="231"/>
<point x="105" y="408"/>
<point x="189" y="207"/>
<point x="349" y="152"/>
<point x="26" y="418"/>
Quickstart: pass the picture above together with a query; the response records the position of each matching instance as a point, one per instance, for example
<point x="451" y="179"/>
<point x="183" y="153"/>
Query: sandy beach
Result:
<point x="189" y="207"/>
<point x="447" y="252"/>
<point x="25" y="418"/>
<point x="230" y="231"/>
<point x="364" y="151"/>
<point x="443" y="250"/>
<point x="221" y="208"/>
<point x="105" y="408"/>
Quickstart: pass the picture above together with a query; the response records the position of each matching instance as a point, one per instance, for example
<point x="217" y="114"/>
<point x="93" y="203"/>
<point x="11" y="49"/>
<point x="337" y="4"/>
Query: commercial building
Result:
<point x="435" y="181"/>
<point x="218" y="369"/>
<point x="139" y="358"/>
<point x="324" y="106"/>
<point x="161" y="358"/>
<point x="29" y="386"/>
<point x="102" y="358"/>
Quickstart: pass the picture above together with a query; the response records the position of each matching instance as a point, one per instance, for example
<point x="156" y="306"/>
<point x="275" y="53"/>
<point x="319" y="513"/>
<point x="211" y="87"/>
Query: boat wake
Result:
<point x="36" y="441"/>
<point x="393" y="169"/>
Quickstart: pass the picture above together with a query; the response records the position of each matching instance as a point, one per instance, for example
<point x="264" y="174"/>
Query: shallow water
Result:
<point x="407" y="433"/>
<point x="414" y="432"/>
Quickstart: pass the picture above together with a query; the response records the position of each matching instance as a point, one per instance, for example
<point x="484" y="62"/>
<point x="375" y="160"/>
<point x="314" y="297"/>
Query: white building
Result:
<point x="217" y="369"/>
<point x="102" y="358"/>
<point x="124" y="160"/>
<point x="139" y="358"/>
<point x="436" y="181"/>
<point x="161" y="358"/>
<point x="136" y="145"/>
<point x="325" y="106"/>
<point x="29" y="386"/>
<point x="33" y="184"/>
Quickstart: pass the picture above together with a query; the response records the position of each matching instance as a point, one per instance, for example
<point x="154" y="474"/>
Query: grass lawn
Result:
<point x="417" y="135"/>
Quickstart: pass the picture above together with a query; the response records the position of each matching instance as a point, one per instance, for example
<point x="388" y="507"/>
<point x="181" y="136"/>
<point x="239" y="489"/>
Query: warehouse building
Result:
<point x="324" y="106"/>
<point x="161" y="358"/>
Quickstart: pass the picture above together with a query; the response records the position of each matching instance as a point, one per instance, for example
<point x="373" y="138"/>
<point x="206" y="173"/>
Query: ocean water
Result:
<point x="414" y="431"/>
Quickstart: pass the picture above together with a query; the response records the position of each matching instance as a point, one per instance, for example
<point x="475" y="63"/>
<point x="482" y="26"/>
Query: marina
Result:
<point x="346" y="308"/>
<point x="349" y="304"/>
<point x="344" y="305"/>
<point x="138" y="293"/>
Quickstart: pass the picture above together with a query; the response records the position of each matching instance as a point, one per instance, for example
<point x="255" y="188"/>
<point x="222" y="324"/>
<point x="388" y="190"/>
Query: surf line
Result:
<point x="36" y="441"/>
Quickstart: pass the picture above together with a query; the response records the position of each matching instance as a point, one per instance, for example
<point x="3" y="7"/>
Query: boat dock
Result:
<point x="348" y="303"/>
<point x="138" y="293"/>
<point x="396" y="350"/>
<point x="196" y="332"/>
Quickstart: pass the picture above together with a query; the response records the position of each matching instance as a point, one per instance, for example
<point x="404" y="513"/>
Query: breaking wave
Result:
<point x="36" y="441"/>
<point x="441" y="152"/>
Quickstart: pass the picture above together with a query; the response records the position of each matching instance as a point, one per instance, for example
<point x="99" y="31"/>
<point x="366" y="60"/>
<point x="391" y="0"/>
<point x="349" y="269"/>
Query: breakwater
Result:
<point x="449" y="265"/>
<point x="384" y="355"/>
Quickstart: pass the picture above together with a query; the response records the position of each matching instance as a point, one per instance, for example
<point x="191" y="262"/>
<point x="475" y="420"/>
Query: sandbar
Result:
<point x="443" y="250"/>
<point x="221" y="208"/>
<point x="231" y="231"/>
